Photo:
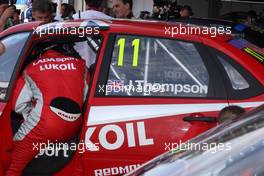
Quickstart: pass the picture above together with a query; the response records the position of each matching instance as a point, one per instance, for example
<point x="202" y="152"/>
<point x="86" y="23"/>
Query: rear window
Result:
<point x="248" y="48"/>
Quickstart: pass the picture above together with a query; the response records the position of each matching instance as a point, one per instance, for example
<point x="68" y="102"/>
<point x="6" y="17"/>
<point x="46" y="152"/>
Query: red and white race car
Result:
<point x="152" y="87"/>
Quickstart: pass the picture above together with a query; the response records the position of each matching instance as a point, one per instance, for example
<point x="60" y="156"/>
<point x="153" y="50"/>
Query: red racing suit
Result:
<point x="49" y="95"/>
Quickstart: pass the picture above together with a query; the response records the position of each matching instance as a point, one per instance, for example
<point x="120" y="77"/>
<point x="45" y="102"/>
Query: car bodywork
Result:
<point x="240" y="153"/>
<point x="176" y="86"/>
<point x="254" y="36"/>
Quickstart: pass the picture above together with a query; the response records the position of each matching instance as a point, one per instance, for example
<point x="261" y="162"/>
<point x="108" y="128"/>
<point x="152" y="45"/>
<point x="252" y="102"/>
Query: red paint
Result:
<point x="161" y="129"/>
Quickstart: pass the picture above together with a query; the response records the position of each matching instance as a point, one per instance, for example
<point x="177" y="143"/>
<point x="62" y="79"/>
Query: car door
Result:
<point x="13" y="47"/>
<point x="151" y="94"/>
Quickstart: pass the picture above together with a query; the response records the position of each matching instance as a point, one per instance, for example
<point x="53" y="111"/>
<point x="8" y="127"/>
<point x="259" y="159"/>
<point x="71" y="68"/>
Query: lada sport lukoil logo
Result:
<point x="55" y="64"/>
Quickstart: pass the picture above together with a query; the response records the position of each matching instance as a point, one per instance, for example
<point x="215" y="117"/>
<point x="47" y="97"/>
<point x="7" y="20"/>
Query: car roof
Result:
<point x="103" y="24"/>
<point x="20" y="28"/>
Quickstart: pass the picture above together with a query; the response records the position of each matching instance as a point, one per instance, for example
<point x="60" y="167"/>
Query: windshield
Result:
<point x="10" y="50"/>
<point x="248" y="48"/>
<point x="237" y="150"/>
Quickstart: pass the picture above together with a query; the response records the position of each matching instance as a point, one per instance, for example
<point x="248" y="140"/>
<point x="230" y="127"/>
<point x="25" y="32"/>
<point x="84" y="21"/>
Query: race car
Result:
<point x="233" y="148"/>
<point x="150" y="87"/>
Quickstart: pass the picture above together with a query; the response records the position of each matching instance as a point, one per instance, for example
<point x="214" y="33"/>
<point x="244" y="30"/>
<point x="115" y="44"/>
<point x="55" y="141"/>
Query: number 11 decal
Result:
<point x="121" y="44"/>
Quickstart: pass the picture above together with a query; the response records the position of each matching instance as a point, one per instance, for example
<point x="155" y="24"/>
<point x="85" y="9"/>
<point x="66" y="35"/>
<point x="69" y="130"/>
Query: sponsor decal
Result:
<point x="255" y="54"/>
<point x="45" y="60"/>
<point x="130" y="138"/>
<point x="65" y="108"/>
<point x="61" y="67"/>
<point x="64" y="115"/>
<point x="249" y="48"/>
<point x="119" y="170"/>
<point x="141" y="86"/>
<point x="52" y="64"/>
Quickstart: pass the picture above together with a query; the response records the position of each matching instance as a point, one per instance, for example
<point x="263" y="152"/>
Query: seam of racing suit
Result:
<point x="31" y="117"/>
<point x="86" y="87"/>
<point x="24" y="98"/>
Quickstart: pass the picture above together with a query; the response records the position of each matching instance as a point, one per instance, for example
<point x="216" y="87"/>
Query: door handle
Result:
<point x="199" y="119"/>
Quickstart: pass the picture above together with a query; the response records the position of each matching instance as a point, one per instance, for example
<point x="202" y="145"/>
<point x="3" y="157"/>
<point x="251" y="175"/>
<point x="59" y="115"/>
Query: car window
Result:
<point x="237" y="80"/>
<point x="11" y="49"/>
<point x="240" y="83"/>
<point x="144" y="66"/>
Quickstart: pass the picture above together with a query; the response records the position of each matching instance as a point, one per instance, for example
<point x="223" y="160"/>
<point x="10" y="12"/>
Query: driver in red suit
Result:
<point x="49" y="95"/>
